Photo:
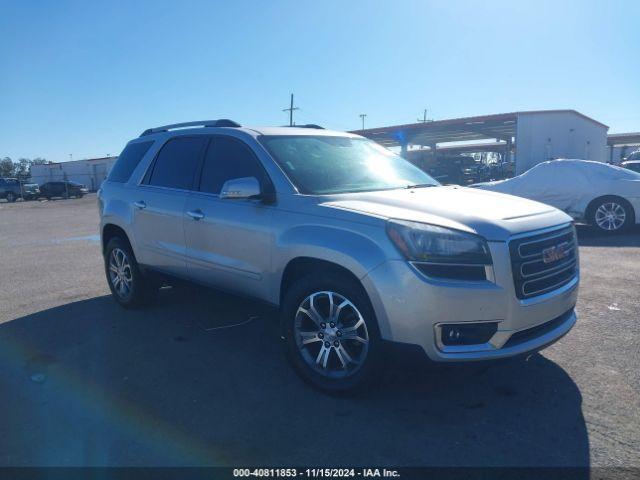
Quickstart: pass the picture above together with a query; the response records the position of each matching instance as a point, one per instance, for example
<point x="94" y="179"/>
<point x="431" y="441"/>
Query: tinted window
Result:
<point x="228" y="158"/>
<point x="128" y="161"/>
<point x="176" y="163"/>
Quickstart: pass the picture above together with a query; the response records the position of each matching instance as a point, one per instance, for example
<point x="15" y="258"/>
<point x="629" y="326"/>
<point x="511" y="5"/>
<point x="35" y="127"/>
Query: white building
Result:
<point x="546" y="135"/>
<point x="90" y="172"/>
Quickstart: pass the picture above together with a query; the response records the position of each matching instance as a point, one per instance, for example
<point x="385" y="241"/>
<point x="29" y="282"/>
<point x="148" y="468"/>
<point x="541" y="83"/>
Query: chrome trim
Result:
<point x="563" y="290"/>
<point x="478" y="347"/>
<point x="554" y="232"/>
<point x="523" y="275"/>
<point x="544" y="239"/>
<point x="556" y="285"/>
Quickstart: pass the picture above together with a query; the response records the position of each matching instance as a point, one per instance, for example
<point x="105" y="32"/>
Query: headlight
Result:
<point x="421" y="242"/>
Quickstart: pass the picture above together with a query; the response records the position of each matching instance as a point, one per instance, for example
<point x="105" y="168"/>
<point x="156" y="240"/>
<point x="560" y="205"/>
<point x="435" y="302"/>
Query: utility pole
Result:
<point x="290" y="110"/>
<point x="362" y="115"/>
<point x="424" y="118"/>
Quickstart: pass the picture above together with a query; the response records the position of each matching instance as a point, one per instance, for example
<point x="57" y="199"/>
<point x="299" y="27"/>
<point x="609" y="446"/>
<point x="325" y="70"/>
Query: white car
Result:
<point x="603" y="195"/>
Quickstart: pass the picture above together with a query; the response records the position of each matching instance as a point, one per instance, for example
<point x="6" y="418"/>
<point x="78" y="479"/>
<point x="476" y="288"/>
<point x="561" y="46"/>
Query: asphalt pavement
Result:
<point x="85" y="382"/>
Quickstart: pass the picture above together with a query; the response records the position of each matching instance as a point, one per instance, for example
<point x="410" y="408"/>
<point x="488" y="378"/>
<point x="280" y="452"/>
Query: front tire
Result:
<point x="128" y="285"/>
<point x="611" y="214"/>
<point x="11" y="197"/>
<point x="331" y="334"/>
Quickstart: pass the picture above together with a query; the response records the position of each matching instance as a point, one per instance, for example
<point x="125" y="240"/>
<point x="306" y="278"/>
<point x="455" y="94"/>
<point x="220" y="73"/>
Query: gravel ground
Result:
<point x="84" y="382"/>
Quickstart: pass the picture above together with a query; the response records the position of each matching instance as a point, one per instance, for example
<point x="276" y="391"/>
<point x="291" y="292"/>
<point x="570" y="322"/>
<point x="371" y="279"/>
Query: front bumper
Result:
<point x="410" y="308"/>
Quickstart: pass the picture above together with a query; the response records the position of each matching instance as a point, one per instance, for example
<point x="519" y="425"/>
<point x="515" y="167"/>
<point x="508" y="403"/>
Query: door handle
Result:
<point x="140" y="204"/>
<point x="196" y="214"/>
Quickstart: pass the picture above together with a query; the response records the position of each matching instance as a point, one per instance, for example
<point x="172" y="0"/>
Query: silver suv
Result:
<point x="357" y="247"/>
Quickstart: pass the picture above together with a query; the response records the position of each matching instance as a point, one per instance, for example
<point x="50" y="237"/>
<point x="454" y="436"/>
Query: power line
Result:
<point x="290" y="110"/>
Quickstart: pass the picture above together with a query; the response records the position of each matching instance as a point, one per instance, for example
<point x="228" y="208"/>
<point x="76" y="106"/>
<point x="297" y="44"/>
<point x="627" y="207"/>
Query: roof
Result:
<point x="52" y="164"/>
<point x="630" y="138"/>
<point x="501" y="126"/>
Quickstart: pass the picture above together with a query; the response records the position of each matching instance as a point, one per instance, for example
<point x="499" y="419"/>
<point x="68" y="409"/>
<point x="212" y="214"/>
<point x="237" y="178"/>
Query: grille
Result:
<point x="544" y="262"/>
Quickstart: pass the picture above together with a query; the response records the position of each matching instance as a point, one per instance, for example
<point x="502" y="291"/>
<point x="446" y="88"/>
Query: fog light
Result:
<point x="467" y="333"/>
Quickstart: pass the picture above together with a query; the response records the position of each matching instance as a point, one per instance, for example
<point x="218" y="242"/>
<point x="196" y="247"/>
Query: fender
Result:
<point x="119" y="213"/>
<point x="355" y="251"/>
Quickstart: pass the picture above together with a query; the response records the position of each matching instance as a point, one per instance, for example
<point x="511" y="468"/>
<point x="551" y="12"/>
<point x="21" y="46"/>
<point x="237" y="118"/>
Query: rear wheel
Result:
<point x="11" y="197"/>
<point x="611" y="214"/>
<point x="127" y="283"/>
<point x="331" y="334"/>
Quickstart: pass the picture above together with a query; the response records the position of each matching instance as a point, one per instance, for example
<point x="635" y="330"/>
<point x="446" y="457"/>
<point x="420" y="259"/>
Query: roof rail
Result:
<point x="223" y="122"/>
<point x="307" y="125"/>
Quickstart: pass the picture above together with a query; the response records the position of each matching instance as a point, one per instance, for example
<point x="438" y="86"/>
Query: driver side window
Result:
<point x="228" y="158"/>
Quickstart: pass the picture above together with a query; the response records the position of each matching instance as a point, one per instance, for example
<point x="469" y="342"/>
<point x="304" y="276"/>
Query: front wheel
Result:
<point x="611" y="215"/>
<point x="331" y="334"/>
<point x="11" y="197"/>
<point x="127" y="283"/>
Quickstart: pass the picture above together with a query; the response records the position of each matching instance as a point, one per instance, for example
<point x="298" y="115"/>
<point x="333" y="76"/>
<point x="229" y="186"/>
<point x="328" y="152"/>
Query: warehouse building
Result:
<point x="527" y="138"/>
<point x="90" y="172"/>
<point x="621" y="145"/>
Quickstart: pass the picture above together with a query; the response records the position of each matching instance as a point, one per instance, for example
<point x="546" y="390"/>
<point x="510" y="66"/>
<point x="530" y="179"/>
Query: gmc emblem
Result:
<point x="555" y="253"/>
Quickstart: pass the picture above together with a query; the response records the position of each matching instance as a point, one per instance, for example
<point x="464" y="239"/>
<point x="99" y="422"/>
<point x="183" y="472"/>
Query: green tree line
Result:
<point x="20" y="169"/>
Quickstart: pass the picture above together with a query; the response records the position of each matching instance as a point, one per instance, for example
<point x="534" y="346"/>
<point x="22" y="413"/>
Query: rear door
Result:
<point x="229" y="241"/>
<point x="159" y="204"/>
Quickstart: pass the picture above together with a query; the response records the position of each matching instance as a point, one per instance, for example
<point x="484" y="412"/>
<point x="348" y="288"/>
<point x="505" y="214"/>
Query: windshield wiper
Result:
<point x="420" y="185"/>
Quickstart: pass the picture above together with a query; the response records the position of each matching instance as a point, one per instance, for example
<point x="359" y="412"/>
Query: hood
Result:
<point x="495" y="216"/>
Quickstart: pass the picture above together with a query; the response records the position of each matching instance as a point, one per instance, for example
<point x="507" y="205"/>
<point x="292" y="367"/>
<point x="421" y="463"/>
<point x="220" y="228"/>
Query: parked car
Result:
<point x="632" y="156"/>
<point x="605" y="196"/>
<point x="358" y="248"/>
<point x="30" y="191"/>
<point x="10" y="189"/>
<point x="631" y="165"/>
<point x="64" y="189"/>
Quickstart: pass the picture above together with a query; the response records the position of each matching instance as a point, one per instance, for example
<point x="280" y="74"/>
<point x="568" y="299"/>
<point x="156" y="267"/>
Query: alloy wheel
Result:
<point x="331" y="334"/>
<point x="120" y="273"/>
<point x="610" y="216"/>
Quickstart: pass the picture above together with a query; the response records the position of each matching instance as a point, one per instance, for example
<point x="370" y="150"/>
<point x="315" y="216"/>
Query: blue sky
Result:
<point x="83" y="78"/>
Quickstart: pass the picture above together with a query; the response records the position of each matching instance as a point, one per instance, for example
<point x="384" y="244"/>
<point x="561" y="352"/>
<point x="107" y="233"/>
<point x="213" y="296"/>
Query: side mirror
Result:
<point x="241" y="188"/>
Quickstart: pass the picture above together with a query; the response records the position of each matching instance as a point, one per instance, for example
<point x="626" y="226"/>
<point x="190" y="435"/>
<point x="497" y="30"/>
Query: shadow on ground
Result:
<point x="89" y="383"/>
<point x="590" y="237"/>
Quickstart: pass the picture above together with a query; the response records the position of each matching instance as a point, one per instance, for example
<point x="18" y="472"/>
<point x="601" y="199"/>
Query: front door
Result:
<point x="229" y="241"/>
<point x="159" y="205"/>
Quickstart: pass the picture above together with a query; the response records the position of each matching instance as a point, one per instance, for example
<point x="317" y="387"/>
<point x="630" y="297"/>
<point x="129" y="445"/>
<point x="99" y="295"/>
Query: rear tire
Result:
<point x="129" y="287"/>
<point x="348" y="334"/>
<point x="611" y="214"/>
<point x="11" y="197"/>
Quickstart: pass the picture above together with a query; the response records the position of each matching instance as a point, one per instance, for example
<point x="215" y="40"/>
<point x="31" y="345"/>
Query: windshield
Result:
<point x="325" y="165"/>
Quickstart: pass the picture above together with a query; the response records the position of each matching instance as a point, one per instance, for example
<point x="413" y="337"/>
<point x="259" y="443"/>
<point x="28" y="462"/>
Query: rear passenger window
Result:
<point x="176" y="163"/>
<point x="226" y="159"/>
<point x="128" y="161"/>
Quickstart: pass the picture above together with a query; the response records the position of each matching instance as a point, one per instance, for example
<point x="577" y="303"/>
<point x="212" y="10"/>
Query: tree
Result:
<point x="22" y="169"/>
<point x="7" y="168"/>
